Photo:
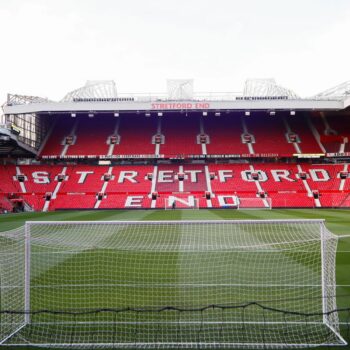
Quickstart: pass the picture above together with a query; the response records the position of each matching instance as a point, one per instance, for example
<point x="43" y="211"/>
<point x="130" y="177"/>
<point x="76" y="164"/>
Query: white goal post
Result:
<point x="169" y="284"/>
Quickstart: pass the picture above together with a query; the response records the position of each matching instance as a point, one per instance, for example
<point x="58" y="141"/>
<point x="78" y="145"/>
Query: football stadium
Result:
<point x="177" y="219"/>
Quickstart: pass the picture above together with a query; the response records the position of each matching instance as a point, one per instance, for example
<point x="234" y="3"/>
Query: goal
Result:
<point x="177" y="202"/>
<point x="254" y="203"/>
<point x="169" y="284"/>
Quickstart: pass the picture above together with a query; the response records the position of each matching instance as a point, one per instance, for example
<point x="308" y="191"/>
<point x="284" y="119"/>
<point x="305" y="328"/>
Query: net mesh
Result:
<point x="170" y="284"/>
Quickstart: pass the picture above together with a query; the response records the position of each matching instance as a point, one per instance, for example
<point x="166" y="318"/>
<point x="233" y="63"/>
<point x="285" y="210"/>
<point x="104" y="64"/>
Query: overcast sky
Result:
<point x="50" y="47"/>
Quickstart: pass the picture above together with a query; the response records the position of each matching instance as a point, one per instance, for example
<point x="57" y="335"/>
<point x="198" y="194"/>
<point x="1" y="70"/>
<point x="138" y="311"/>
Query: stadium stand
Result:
<point x="9" y="183"/>
<point x="167" y="180"/>
<point x="55" y="187"/>
<point x="225" y="135"/>
<point x="130" y="179"/>
<point x="329" y="138"/>
<point x="83" y="179"/>
<point x="91" y="136"/>
<point x="40" y="178"/>
<point x="180" y="134"/>
<point x="299" y="125"/>
<point x="341" y="125"/>
<point x="228" y="179"/>
<point x="216" y="149"/>
<point x="62" y="128"/>
<point x="270" y="134"/>
<point x="136" y="134"/>
<point x="73" y="201"/>
<point x="5" y="204"/>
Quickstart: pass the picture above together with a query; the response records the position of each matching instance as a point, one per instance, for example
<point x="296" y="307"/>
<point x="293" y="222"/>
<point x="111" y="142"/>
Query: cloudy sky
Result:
<point x="49" y="47"/>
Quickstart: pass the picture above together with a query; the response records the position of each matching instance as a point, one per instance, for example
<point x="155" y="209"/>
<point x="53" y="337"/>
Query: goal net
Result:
<point x="254" y="203"/>
<point x="169" y="284"/>
<point x="181" y="202"/>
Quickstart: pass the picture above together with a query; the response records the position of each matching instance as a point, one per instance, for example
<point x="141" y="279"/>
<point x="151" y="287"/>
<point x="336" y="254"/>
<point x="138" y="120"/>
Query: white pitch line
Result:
<point x="172" y="285"/>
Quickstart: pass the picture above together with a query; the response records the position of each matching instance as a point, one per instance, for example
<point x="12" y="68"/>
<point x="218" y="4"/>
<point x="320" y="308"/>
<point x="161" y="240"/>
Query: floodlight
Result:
<point x="73" y="115"/>
<point x="247" y="113"/>
<point x="160" y="114"/>
<point x="116" y="114"/>
<point x="205" y="113"/>
<point x="272" y="113"/>
<point x="292" y="112"/>
<point x="217" y="114"/>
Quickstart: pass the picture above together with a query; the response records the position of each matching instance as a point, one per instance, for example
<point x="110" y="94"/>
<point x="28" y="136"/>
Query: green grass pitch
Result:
<point x="338" y="221"/>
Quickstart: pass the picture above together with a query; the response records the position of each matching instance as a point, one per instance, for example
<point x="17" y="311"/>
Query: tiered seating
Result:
<point x="180" y="135"/>
<point x="181" y="131"/>
<point x="166" y="179"/>
<point x="194" y="179"/>
<point x="5" y="204"/>
<point x="113" y="201"/>
<point x="122" y="201"/>
<point x="136" y="134"/>
<point x="130" y="186"/>
<point x="250" y="202"/>
<point x="130" y="179"/>
<point x="62" y="128"/>
<point x="282" y="184"/>
<point x="73" y="201"/>
<point x="341" y="124"/>
<point x="84" y="179"/>
<point x="284" y="193"/>
<point x="182" y="201"/>
<point x="270" y="134"/>
<point x="299" y="125"/>
<point x="36" y="201"/>
<point x="38" y="175"/>
<point x="91" y="136"/>
<point x="330" y="142"/>
<point x="327" y="172"/>
<point x="7" y="183"/>
<point x="230" y="180"/>
<point x="226" y="202"/>
<point x="225" y="135"/>
<point x="344" y="201"/>
<point x="291" y="200"/>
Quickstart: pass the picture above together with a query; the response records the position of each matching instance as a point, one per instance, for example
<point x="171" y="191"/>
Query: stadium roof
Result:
<point x="258" y="94"/>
